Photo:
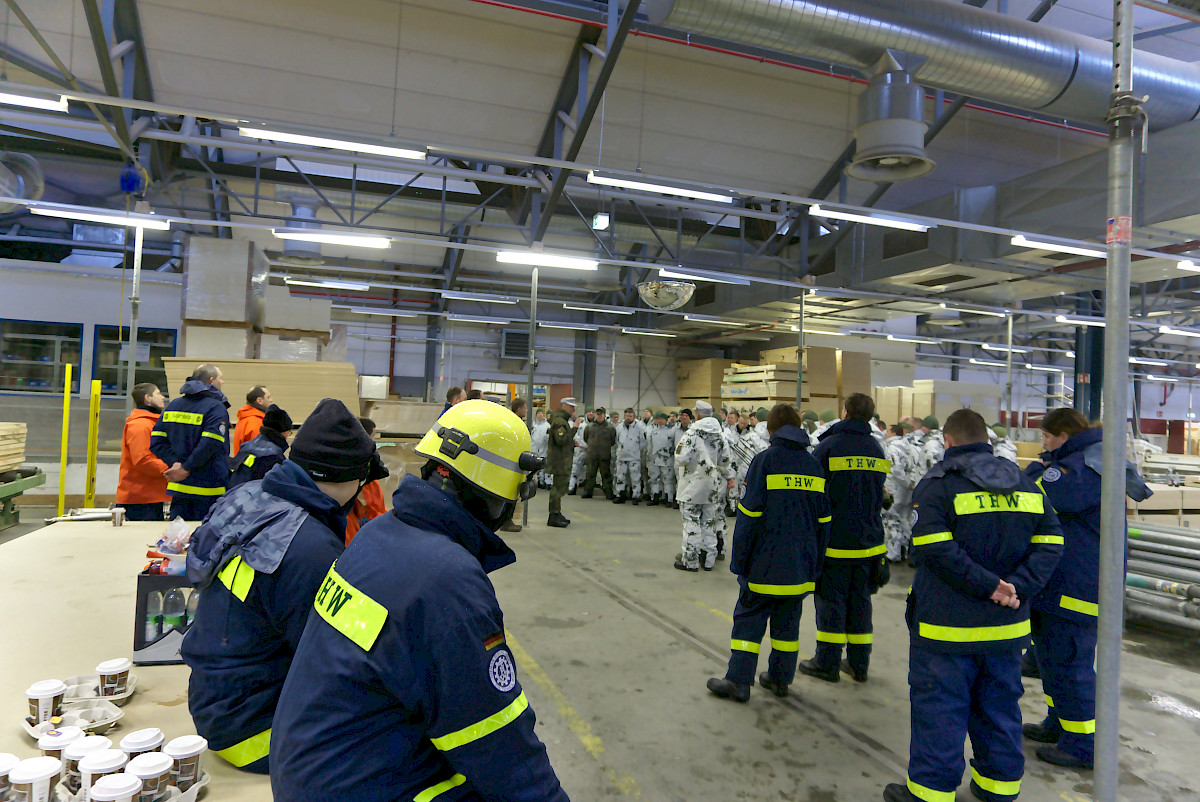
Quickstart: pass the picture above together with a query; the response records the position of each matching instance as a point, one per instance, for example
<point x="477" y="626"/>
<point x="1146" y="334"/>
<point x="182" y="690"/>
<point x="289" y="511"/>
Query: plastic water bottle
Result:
<point x="154" y="613"/>
<point x="192" y="603"/>
<point x="174" y="610"/>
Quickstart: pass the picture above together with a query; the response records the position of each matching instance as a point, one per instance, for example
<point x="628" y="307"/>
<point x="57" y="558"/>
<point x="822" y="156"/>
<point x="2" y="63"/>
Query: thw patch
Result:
<point x="1051" y="475"/>
<point x="502" y="672"/>
<point x="350" y="611"/>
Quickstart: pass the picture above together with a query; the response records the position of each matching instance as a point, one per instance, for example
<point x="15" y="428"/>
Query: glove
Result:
<point x="888" y="500"/>
<point x="881" y="574"/>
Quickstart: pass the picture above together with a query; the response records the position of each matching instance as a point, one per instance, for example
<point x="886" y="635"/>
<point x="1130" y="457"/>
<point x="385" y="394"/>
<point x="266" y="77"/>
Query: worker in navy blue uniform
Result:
<point x="263" y="452"/>
<point x="259" y="560"/>
<point x="985" y="541"/>
<point x="780" y="536"/>
<point x="855" y="469"/>
<point x="190" y="438"/>
<point x="1065" y="612"/>
<point x="404" y="687"/>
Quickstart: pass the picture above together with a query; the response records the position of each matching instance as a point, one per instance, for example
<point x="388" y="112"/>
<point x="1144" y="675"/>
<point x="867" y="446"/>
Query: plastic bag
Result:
<point x="175" y="537"/>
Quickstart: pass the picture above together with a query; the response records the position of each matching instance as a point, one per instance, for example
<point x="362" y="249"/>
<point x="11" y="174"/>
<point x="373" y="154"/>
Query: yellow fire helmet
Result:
<point x="486" y="445"/>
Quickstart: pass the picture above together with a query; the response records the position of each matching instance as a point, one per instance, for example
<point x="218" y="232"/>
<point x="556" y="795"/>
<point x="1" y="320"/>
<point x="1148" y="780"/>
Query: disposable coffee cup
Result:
<point x="147" y="740"/>
<point x="7" y="762"/>
<point x="114" y="676"/>
<point x="100" y="764"/>
<point x="75" y="752"/>
<point x="54" y="742"/>
<point x="154" y="770"/>
<point x="118" y="516"/>
<point x="45" y="698"/>
<point x="187" y="752"/>
<point x="120" y="787"/>
<point x="33" y="780"/>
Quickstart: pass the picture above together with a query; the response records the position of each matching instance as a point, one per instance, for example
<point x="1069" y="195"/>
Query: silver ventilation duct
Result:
<point x="20" y="177"/>
<point x="950" y="46"/>
<point x="890" y="135"/>
<point x="299" y="252"/>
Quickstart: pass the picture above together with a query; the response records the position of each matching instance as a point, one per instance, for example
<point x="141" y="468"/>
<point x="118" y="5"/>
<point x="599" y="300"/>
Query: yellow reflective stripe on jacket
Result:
<point x="781" y="590"/>
<point x="192" y="490"/>
<point x="1078" y="727"/>
<point x="1001" y="787"/>
<point x="1049" y="540"/>
<point x="936" y="537"/>
<point x="974" y="634"/>
<point x="928" y="794"/>
<point x="481" y="728"/>
<point x="256" y="747"/>
<point x="248" y="461"/>
<point x="785" y="645"/>
<point x="831" y="637"/>
<point x="213" y="435"/>
<point x="825" y="520"/>
<point x="1049" y="700"/>
<point x="238" y="581"/>
<point x="350" y="611"/>
<point x="1079" y="606"/>
<point x="744" y="646"/>
<point x="860" y="464"/>
<point x="981" y="501"/>
<point x="795" y="481"/>
<point x="861" y="638"/>
<point x="751" y="513"/>
<point x="855" y="554"/>
<point x="435" y="791"/>
<point x="190" y="418"/>
<point x="158" y="434"/>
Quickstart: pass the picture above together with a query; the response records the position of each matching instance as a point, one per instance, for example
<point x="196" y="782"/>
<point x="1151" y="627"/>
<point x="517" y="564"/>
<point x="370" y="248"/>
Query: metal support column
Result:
<point x="800" y="352"/>
<point x="135" y="301"/>
<point x="533" y="293"/>
<point x="1123" y="120"/>
<point x="1008" y="382"/>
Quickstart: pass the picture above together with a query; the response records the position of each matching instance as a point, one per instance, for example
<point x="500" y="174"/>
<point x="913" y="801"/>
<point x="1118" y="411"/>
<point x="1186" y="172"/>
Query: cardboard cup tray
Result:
<point x="84" y="689"/>
<point x="173" y="794"/>
<point x="93" y="717"/>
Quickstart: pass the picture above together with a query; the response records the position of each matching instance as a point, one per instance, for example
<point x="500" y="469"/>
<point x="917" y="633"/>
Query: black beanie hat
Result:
<point x="277" y="420"/>
<point x="332" y="446"/>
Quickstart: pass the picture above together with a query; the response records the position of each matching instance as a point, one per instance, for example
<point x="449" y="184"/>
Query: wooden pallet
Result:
<point x="759" y="391"/>
<point x="12" y="445"/>
<point x="783" y="371"/>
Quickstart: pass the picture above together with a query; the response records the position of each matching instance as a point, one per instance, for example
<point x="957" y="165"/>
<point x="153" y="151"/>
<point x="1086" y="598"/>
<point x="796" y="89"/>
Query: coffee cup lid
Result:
<point x="104" y="760"/>
<point x="35" y="769"/>
<point x="114" y="666"/>
<point x="185" y="746"/>
<point x="113" y="787"/>
<point x="46" y="689"/>
<point x="86" y="746"/>
<point x="151" y="764"/>
<point x="7" y="762"/>
<point x="143" y="739"/>
<point x="60" y="738"/>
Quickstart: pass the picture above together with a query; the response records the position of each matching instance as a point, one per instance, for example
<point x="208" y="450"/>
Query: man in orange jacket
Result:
<point x="142" y="488"/>
<point x="250" y="417"/>
<point x="370" y="504"/>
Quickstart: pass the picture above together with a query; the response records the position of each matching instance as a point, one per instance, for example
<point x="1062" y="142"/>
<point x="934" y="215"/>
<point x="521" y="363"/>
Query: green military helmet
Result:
<point x="809" y="415"/>
<point x="931" y="422"/>
<point x="1000" y="429"/>
<point x="828" y="416"/>
<point x="761" y="413"/>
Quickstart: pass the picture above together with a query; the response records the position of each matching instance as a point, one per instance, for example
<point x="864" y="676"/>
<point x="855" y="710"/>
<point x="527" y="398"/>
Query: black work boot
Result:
<point x="653" y="502"/>
<point x="1057" y="757"/>
<point x="682" y="566"/>
<point x="897" y="792"/>
<point x="810" y="668"/>
<point x="771" y="685"/>
<point x="585" y="494"/>
<point x="1041" y="733"/>
<point x="635" y="500"/>
<point x="572" y="491"/>
<point x="728" y="689"/>
<point x="557" y="520"/>
<point x="858" y="676"/>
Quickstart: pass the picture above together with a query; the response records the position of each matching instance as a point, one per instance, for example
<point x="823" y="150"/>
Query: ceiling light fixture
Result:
<point x="1153" y="378"/>
<point x="1158" y="363"/>
<point x="328" y="283"/>
<point x="613" y="310"/>
<point x="366" y="310"/>
<point x="334" y="238"/>
<point x="1046" y="368"/>
<point x="917" y="340"/>
<point x="30" y="102"/>
<point x="547" y="324"/>
<point x="988" y="364"/>
<point x="1178" y="332"/>
<point x="610" y="180"/>
<point x="816" y="210"/>
<point x="985" y="312"/>
<point x="1057" y="247"/>
<point x="499" y="321"/>
<point x="409" y="154"/>
<point x="601" y="221"/>
<point x="541" y="259"/>
<point x="713" y="321"/>
<point x="1080" y="321"/>
<point x="102" y="216"/>
<point x="1004" y="348"/>
<point x="647" y="332"/>
<point x="825" y="333"/>
<point x="483" y="297"/>
<point x="688" y="274"/>
<point x="1187" y="264"/>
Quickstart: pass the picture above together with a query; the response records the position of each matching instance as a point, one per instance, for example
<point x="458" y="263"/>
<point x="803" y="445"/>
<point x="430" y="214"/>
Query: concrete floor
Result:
<point x="614" y="647"/>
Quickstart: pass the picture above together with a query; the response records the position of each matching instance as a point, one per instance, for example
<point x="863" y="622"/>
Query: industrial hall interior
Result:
<point x="547" y="400"/>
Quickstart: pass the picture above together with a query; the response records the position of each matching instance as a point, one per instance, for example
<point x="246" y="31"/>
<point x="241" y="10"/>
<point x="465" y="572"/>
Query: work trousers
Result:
<point x="750" y="617"/>
<point x="662" y="481"/>
<point x="645" y="474"/>
<point x="897" y="532"/>
<point x="143" y="512"/>
<point x="956" y="695"/>
<point x="558" y="489"/>
<point x="703" y="531"/>
<point x="628" y="479"/>
<point x="578" y="463"/>
<point x="603" y="466"/>
<point x="1066" y="654"/>
<point x="191" y="508"/>
<point x="843" y="605"/>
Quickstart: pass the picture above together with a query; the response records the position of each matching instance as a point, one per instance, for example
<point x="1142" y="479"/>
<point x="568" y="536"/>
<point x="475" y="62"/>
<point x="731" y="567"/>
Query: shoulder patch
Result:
<point x="350" y="611"/>
<point x="492" y="641"/>
<point x="912" y="517"/>
<point x="501" y="672"/>
<point x="1051" y="475"/>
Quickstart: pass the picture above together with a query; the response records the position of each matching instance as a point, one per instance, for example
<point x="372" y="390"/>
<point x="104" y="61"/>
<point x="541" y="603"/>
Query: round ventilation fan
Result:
<point x="666" y="295"/>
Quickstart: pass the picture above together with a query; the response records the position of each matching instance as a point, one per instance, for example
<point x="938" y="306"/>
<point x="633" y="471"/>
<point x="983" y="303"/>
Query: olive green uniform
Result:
<point x="560" y="454"/>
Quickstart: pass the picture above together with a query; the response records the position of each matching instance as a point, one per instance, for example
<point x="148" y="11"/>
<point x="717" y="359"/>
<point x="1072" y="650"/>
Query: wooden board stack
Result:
<point x="760" y="384"/>
<point x="12" y="445"/>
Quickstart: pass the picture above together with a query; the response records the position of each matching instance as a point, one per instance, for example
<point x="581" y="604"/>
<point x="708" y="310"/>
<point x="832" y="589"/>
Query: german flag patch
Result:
<point x="492" y="641"/>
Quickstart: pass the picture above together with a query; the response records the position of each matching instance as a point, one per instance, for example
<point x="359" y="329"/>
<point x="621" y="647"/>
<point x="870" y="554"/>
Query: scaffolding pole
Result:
<point x="533" y="293"/>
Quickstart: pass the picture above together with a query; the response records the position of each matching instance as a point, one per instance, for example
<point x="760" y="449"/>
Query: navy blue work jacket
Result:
<point x="855" y="469"/>
<point x="192" y="432"/>
<point x="256" y="457"/>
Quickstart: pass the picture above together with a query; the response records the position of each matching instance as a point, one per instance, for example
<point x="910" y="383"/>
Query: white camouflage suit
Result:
<point x="661" y="451"/>
<point x="744" y="446"/>
<point x="933" y="448"/>
<point x="704" y="467"/>
<point x="1004" y="448"/>
<point x="539" y="437"/>
<point x="897" y="530"/>
<point x="579" y="458"/>
<point x="627" y="467"/>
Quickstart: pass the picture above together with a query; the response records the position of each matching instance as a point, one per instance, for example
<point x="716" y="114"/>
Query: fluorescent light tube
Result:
<point x="1159" y="363"/>
<point x="647" y="332"/>
<point x="601" y="221"/>
<point x="1057" y="247"/>
<point x="537" y="259"/>
<point x="332" y="144"/>
<point x="827" y="333"/>
<point x="890" y="222"/>
<point x="917" y="340"/>
<point x="1046" y="368"/>
<point x="455" y="295"/>
<point x="328" y="283"/>
<point x="334" y="238"/>
<point x="1004" y="349"/>
<point x="715" y="321"/>
<point x="1187" y="264"/>
<point x="1154" y="378"/>
<point x="1178" y="332"/>
<point x="578" y="326"/>
<point x="702" y="275"/>
<point x="1079" y="321"/>
<point x="985" y="363"/>
<point x="44" y="103"/>
<point x="366" y="310"/>
<point x="1070" y="354"/>
<point x="614" y="310"/>
<point x="984" y="312"/>
<point x="104" y="217"/>
<point x="662" y="189"/>
<point x="500" y="321"/>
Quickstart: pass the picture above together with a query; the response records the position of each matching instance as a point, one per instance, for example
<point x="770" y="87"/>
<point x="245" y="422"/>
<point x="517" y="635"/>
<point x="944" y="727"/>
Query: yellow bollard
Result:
<point x="66" y="434"/>
<point x="93" y="446"/>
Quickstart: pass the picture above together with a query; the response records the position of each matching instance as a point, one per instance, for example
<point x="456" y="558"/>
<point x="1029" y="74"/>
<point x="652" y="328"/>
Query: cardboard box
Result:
<point x="759" y="391"/>
<point x="821" y="370"/>
<point x="853" y="373"/>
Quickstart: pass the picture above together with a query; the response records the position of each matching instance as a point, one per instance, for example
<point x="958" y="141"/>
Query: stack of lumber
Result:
<point x="12" y="445"/>
<point x="775" y="382"/>
<point x="700" y="379"/>
<point x="296" y="387"/>
<point x="403" y="418"/>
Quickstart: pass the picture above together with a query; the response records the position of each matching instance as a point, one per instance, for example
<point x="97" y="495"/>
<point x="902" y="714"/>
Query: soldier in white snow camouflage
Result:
<point x="704" y="466"/>
<point x="661" y="457"/>
<point x="904" y="456"/>
<point x="627" y="465"/>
